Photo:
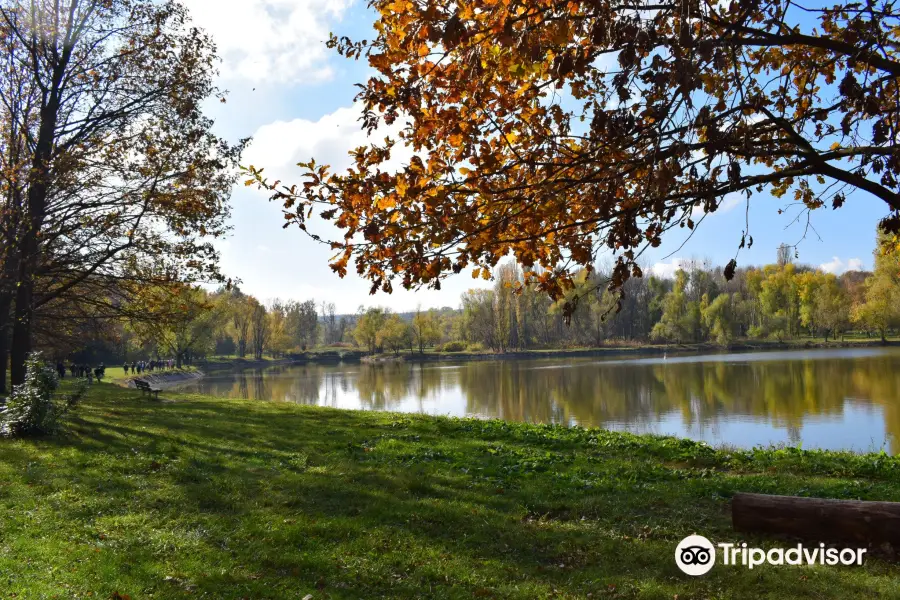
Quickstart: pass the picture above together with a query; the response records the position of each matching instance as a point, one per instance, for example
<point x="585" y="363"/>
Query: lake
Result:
<point x="835" y="399"/>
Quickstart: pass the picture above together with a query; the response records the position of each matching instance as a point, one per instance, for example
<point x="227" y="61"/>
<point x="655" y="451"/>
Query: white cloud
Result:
<point x="836" y="266"/>
<point x="667" y="270"/>
<point x="270" y="40"/>
<point x="279" y="146"/>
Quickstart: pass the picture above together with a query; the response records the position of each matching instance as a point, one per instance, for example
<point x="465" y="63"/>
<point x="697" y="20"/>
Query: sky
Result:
<point x="294" y="97"/>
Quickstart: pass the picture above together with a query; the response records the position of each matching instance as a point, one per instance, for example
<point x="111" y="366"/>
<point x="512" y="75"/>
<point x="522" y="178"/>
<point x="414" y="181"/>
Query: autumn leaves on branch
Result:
<point x="553" y="129"/>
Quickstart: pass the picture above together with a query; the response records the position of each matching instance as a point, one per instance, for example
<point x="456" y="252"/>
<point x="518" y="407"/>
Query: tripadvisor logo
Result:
<point x="696" y="555"/>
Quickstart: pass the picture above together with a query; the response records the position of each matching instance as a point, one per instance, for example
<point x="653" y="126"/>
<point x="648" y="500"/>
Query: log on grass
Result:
<point x="867" y="523"/>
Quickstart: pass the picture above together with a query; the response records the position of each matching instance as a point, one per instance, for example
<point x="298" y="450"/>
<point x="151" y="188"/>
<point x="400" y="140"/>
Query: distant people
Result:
<point x="73" y="369"/>
<point x="125" y="368"/>
<point x="61" y="370"/>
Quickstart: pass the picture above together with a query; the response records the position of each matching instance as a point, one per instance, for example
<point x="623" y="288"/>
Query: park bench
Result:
<point x="146" y="387"/>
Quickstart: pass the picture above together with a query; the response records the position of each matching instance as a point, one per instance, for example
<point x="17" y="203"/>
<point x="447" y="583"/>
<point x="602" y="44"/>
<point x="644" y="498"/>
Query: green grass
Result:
<point x="117" y="374"/>
<point x="194" y="497"/>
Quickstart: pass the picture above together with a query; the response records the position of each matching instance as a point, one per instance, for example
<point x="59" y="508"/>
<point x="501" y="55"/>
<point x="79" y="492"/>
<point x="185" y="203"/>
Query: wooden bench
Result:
<point x="146" y="387"/>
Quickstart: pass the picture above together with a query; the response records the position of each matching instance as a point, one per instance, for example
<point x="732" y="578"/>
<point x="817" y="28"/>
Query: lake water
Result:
<point x="837" y="399"/>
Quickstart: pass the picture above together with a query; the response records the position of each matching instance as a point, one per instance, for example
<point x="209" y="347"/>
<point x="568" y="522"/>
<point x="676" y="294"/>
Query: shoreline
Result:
<point x="629" y="351"/>
<point x="163" y="381"/>
<point x="612" y="351"/>
<point x="326" y="357"/>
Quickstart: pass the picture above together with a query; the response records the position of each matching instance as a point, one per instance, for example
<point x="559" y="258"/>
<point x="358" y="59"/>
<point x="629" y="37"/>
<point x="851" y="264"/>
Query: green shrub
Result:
<point x="31" y="409"/>
<point x="475" y="347"/>
<point x="454" y="347"/>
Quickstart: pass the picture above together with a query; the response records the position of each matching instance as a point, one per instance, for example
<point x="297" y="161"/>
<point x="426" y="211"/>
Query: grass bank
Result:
<point x="194" y="497"/>
<point x="117" y="375"/>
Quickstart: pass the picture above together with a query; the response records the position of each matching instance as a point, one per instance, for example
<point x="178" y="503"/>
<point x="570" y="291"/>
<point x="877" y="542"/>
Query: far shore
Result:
<point x="632" y="351"/>
<point x="331" y="356"/>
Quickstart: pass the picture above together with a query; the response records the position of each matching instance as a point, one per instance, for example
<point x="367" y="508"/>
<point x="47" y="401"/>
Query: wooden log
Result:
<point x="823" y="520"/>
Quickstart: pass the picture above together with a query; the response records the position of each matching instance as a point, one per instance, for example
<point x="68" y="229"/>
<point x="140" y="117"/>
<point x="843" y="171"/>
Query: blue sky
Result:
<point x="295" y="98"/>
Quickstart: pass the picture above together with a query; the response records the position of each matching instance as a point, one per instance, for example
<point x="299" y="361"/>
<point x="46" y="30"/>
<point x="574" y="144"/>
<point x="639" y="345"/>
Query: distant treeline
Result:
<point x="780" y="301"/>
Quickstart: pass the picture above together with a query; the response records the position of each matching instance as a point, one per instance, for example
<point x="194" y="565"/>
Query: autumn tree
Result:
<point x="824" y="303"/>
<point x="718" y="319"/>
<point x="303" y="323"/>
<point x="479" y="319"/>
<point x="675" y="324"/>
<point x="330" y="323"/>
<point x="393" y="334"/>
<point x="550" y="129"/>
<point x="368" y="324"/>
<point x="192" y="322"/>
<point x="280" y="340"/>
<point x="426" y="328"/>
<point x="881" y="309"/>
<point x="241" y="307"/>
<point x="260" y="330"/>
<point x="117" y="177"/>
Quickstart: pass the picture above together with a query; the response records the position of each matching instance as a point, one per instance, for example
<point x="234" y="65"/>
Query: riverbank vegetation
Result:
<point x="781" y="304"/>
<point x="194" y="496"/>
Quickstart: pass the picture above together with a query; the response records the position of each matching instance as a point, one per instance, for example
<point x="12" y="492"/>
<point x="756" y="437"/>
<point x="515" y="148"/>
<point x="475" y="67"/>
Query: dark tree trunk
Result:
<point x="5" y="306"/>
<point x="22" y="322"/>
<point x="29" y="248"/>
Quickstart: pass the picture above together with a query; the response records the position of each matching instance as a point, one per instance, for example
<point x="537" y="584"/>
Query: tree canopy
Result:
<point x="111" y="176"/>
<point x="554" y="129"/>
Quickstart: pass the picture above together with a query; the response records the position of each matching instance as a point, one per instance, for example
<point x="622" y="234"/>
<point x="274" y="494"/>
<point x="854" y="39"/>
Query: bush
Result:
<point x="475" y="347"/>
<point x="31" y="409"/>
<point x="454" y="347"/>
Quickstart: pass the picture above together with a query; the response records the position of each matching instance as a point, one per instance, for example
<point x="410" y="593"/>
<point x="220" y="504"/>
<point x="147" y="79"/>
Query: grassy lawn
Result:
<point x="194" y="497"/>
<point x="117" y="374"/>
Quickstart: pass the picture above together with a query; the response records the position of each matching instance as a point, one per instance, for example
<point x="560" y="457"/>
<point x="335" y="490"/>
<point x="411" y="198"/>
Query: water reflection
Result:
<point x="830" y="399"/>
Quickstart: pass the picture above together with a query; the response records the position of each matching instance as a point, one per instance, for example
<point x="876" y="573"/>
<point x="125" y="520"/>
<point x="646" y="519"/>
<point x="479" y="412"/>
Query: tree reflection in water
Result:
<point x="788" y="393"/>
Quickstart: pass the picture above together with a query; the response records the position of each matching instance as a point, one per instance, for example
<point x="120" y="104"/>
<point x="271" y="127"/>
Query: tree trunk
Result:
<point x="29" y="245"/>
<point x="21" y="334"/>
<point x="5" y="306"/>
<point x="818" y="519"/>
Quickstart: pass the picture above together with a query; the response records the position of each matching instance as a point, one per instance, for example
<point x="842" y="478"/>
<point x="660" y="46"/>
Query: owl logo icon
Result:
<point x="695" y="555"/>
